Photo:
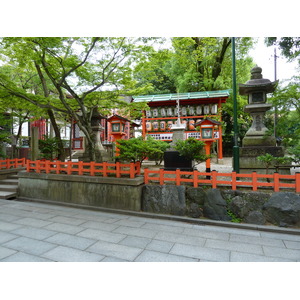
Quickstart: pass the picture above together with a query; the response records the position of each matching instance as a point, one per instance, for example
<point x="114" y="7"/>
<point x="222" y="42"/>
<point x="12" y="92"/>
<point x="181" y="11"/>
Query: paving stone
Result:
<point x="180" y="238"/>
<point x="292" y="245"/>
<point x="282" y="253"/>
<point x="201" y="252"/>
<point x="154" y="256"/>
<point x="70" y="241"/>
<point x="66" y="220"/>
<point x="136" y="231"/>
<point x="33" y="222"/>
<point x="281" y="236"/>
<point x="5" y="252"/>
<point x="256" y="240"/>
<point x="71" y="229"/>
<point x="102" y="235"/>
<point x="29" y="246"/>
<point x="115" y="250"/>
<point x="113" y="259"/>
<point x="35" y="233"/>
<point x="206" y="233"/>
<point x="129" y="223"/>
<point x="6" y="236"/>
<point x="135" y="241"/>
<point x="6" y="226"/>
<point x="234" y="246"/>
<point x="248" y="257"/>
<point x="24" y="257"/>
<point x="231" y="230"/>
<point x="8" y="217"/>
<point x="100" y="225"/>
<point x="160" y="246"/>
<point x="160" y="227"/>
<point x="66" y="254"/>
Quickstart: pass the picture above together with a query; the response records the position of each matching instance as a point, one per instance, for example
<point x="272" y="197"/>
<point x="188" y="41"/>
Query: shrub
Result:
<point x="137" y="149"/>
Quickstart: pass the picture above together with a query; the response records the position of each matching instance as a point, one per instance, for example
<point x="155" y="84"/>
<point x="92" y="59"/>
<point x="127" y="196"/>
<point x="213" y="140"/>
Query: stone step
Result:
<point x="7" y="195"/>
<point x="12" y="181"/>
<point x="13" y="176"/>
<point x="8" y="187"/>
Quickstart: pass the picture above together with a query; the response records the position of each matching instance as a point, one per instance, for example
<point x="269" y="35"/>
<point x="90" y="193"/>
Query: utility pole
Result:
<point x="276" y="113"/>
<point x="236" y="154"/>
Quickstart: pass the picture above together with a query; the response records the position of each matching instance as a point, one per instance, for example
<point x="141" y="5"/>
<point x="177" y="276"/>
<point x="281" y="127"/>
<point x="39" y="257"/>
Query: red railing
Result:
<point x="12" y="163"/>
<point x="274" y="181"/>
<point x="84" y="168"/>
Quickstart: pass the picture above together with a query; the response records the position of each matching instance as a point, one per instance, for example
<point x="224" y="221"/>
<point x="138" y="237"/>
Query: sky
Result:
<point x="263" y="56"/>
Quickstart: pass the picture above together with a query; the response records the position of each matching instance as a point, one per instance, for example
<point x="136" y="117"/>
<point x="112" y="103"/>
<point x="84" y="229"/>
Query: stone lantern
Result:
<point x="257" y="140"/>
<point x="257" y="89"/>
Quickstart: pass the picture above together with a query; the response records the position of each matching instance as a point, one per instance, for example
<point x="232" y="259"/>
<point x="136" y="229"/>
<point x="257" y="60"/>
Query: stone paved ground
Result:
<point x="39" y="232"/>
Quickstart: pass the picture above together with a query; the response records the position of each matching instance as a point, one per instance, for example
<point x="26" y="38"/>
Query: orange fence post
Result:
<point x="297" y="182"/>
<point x="118" y="170"/>
<point x="276" y="181"/>
<point x="92" y="168"/>
<point x="104" y="166"/>
<point x="69" y="167"/>
<point x="132" y="170"/>
<point x="254" y="181"/>
<point x="146" y="176"/>
<point x="80" y="167"/>
<point x="177" y="174"/>
<point x="47" y="166"/>
<point x="214" y="179"/>
<point x="195" y="178"/>
<point x="138" y="168"/>
<point x="233" y="181"/>
<point x="161" y="176"/>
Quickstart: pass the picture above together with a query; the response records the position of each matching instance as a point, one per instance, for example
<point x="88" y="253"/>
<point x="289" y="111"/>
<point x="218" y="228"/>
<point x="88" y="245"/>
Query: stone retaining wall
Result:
<point x="281" y="209"/>
<point x="85" y="190"/>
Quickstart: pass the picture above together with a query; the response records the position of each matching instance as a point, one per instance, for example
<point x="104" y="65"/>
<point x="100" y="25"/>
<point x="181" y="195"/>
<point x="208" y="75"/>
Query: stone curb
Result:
<point x="264" y="228"/>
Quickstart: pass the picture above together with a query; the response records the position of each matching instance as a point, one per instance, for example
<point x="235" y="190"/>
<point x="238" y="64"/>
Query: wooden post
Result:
<point x="233" y="181"/>
<point x="254" y="181"/>
<point x="161" y="176"/>
<point x="297" y="182"/>
<point x="214" y="179"/>
<point x="276" y="182"/>
<point x="195" y="178"/>
<point x="104" y="167"/>
<point x="177" y="176"/>
<point x="118" y="174"/>
<point x="92" y="168"/>
<point x="132" y="170"/>
<point x="146" y="176"/>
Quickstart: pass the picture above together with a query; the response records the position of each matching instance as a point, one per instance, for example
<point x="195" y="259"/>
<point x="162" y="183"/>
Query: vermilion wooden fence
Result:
<point x="214" y="179"/>
<point x="12" y="163"/>
<point x="84" y="168"/>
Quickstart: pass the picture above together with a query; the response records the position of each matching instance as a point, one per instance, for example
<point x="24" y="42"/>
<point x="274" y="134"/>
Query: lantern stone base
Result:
<point x="250" y="163"/>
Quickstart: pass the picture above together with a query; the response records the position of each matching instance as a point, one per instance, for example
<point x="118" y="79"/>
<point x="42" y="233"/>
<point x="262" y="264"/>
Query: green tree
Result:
<point x="78" y="76"/>
<point x="289" y="46"/>
<point x="287" y="100"/>
<point x="192" y="149"/>
<point x="137" y="149"/>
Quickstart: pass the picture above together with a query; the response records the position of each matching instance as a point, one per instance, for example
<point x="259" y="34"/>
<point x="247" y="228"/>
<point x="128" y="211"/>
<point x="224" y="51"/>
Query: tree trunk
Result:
<point x="61" y="150"/>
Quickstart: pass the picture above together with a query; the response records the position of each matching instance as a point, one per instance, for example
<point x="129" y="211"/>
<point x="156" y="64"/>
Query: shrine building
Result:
<point x="194" y="107"/>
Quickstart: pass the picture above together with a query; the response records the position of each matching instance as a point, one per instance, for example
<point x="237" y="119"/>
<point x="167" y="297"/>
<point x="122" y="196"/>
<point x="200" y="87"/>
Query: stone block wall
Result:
<point x="84" y="190"/>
